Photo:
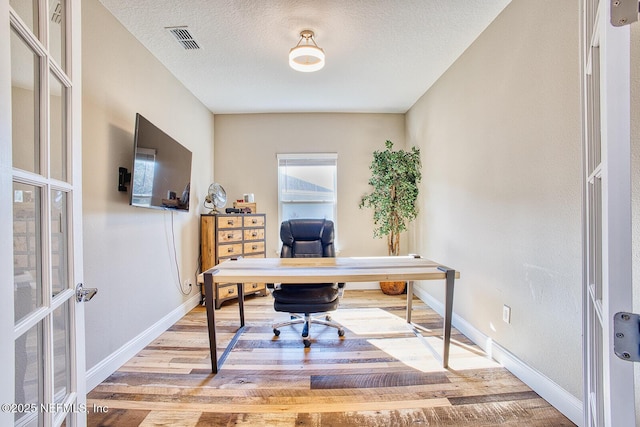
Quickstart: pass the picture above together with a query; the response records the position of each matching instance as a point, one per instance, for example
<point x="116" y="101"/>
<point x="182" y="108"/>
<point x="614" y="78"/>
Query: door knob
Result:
<point x="85" y="294"/>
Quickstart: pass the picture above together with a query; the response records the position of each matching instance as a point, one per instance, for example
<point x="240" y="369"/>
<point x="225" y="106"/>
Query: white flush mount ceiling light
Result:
<point x="306" y="56"/>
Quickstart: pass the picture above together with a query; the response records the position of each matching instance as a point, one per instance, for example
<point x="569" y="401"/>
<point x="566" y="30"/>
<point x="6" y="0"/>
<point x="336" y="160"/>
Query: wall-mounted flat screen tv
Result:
<point x="161" y="169"/>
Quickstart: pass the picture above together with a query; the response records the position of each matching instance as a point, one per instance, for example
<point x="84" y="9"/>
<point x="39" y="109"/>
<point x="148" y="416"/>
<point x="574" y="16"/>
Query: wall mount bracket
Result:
<point x="124" y="178"/>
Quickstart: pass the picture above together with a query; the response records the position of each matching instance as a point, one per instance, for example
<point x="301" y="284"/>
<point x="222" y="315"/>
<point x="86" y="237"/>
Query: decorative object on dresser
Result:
<point x="225" y="236"/>
<point x="216" y="198"/>
<point x="250" y="207"/>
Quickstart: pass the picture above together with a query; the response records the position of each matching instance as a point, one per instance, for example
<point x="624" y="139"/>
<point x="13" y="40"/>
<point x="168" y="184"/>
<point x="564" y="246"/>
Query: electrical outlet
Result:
<point x="506" y="314"/>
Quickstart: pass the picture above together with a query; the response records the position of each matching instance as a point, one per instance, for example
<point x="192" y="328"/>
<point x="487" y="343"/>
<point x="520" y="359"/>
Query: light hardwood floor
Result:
<point x="377" y="375"/>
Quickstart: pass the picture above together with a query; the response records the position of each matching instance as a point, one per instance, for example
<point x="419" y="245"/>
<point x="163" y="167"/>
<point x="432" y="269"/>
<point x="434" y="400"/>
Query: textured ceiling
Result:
<point x="382" y="55"/>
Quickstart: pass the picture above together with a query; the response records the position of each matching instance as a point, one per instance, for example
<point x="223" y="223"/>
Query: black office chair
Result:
<point x="307" y="238"/>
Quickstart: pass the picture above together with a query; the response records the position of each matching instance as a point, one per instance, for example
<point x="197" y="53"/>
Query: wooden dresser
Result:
<point x="224" y="236"/>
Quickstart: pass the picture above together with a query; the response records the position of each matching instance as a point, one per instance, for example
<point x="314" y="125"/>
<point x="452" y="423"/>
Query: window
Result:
<point x="145" y="163"/>
<point x="307" y="186"/>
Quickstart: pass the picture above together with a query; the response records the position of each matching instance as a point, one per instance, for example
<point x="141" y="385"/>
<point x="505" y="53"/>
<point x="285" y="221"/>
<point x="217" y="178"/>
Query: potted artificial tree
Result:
<point x="394" y="177"/>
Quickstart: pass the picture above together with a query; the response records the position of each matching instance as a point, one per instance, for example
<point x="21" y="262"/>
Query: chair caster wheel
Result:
<point x="276" y="332"/>
<point x="340" y="332"/>
<point x="307" y="343"/>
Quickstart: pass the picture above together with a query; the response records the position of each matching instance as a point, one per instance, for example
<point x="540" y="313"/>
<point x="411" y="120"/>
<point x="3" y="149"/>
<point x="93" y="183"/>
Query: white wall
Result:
<point x="128" y="251"/>
<point x="246" y="148"/>
<point x="501" y="194"/>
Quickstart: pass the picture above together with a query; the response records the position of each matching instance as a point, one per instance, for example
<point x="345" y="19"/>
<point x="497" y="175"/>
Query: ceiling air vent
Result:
<point x="184" y="37"/>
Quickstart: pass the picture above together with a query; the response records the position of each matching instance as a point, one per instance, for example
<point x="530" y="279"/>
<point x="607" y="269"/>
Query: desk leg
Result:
<point x="409" y="300"/>
<point x="211" y="320"/>
<point x="241" y="302"/>
<point x="448" y="313"/>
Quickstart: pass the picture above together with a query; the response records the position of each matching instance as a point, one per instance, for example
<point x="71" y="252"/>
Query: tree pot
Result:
<point x="393" y="288"/>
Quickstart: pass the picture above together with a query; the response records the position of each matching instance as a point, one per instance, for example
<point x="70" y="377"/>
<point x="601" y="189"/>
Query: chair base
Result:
<point x="307" y="319"/>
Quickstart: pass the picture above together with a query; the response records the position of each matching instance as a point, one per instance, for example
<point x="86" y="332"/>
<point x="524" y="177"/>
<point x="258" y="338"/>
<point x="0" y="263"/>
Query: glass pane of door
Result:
<point x="61" y="353"/>
<point x="27" y="10"/>
<point x="57" y="128"/>
<point x="57" y="30"/>
<point x="27" y="250"/>
<point x="59" y="242"/>
<point x="25" y="105"/>
<point x="29" y="376"/>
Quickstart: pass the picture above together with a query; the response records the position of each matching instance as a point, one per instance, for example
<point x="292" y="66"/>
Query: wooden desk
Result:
<point x="323" y="270"/>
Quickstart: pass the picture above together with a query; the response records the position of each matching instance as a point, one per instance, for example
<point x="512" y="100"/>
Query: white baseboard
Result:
<point x="570" y="406"/>
<point x="111" y="363"/>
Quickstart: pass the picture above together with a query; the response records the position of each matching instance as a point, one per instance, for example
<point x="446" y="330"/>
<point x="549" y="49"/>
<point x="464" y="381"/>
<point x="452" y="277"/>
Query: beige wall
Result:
<point x="246" y="148"/>
<point x="501" y="198"/>
<point x="128" y="251"/>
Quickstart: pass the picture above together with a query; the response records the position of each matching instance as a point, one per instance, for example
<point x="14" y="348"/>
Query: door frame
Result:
<point x="616" y="384"/>
<point x="74" y="47"/>
<point x="7" y="343"/>
<point x="76" y="358"/>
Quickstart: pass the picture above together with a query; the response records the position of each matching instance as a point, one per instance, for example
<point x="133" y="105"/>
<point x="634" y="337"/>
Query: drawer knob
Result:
<point x="229" y="236"/>
<point x="254" y="247"/>
<point x="254" y="234"/>
<point x="229" y="222"/>
<point x="254" y="221"/>
<point x="230" y="249"/>
<point x="255" y="285"/>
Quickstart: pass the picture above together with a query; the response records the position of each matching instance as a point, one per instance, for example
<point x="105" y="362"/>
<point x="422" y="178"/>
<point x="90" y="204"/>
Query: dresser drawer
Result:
<point x="229" y="236"/>
<point x="253" y="247"/>
<point x="230" y="222"/>
<point x="253" y="221"/>
<point x="254" y="234"/>
<point x="254" y="287"/>
<point x="229" y="250"/>
<point x="225" y="291"/>
<point x="228" y="291"/>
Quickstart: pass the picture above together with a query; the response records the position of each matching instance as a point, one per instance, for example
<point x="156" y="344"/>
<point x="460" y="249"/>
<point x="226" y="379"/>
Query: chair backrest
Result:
<point x="307" y="238"/>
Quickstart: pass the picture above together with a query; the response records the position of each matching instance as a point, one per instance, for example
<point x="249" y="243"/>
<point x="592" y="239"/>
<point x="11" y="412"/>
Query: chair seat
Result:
<point x="307" y="294"/>
<point x="305" y="307"/>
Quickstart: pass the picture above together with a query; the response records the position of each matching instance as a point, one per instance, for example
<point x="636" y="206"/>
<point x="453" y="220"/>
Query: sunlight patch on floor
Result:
<point x="413" y="352"/>
<point x="370" y="321"/>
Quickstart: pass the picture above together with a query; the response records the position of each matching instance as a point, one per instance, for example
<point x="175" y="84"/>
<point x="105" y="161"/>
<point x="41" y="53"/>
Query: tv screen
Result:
<point x="161" y="169"/>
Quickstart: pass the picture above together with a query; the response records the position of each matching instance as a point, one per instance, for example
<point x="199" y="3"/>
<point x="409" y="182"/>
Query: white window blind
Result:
<point x="307" y="185"/>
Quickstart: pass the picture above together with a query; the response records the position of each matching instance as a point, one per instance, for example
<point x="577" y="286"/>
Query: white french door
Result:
<point x="42" y="324"/>
<point x="608" y="380"/>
